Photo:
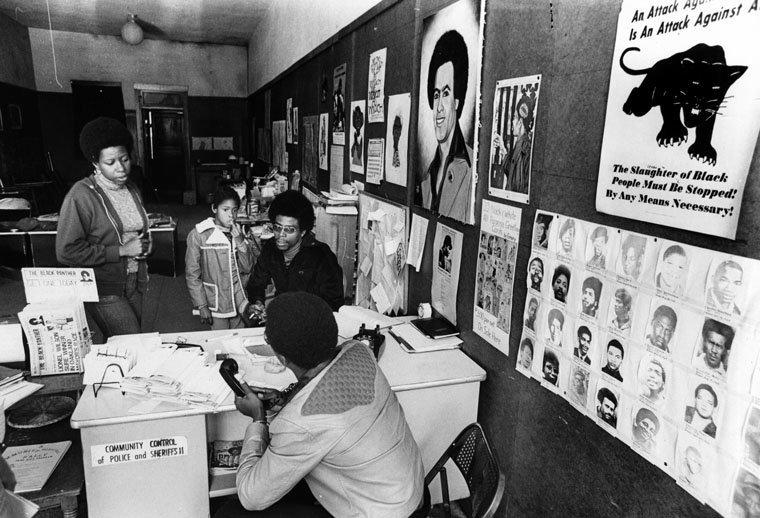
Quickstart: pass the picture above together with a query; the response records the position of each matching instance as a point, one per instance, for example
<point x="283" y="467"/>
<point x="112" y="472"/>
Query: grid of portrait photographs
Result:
<point x="655" y="341"/>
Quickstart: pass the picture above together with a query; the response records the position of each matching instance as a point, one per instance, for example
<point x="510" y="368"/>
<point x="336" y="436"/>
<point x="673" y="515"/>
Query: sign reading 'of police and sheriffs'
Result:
<point x="139" y="450"/>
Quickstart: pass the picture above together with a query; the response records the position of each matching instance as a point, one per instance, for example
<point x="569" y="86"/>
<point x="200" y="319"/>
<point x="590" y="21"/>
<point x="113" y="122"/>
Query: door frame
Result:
<point x="182" y="91"/>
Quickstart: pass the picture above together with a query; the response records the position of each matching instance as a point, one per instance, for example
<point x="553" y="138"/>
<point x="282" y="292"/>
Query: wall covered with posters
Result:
<point x="556" y="459"/>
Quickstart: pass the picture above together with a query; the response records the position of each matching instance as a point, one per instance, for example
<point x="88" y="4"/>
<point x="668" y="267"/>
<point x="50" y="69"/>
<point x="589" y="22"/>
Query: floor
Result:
<point x="167" y="307"/>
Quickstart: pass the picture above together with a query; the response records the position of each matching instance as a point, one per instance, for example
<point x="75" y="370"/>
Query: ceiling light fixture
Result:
<point x="131" y="32"/>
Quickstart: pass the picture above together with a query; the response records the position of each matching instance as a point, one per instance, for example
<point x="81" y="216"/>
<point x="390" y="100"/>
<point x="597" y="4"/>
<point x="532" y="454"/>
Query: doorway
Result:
<point x="164" y="142"/>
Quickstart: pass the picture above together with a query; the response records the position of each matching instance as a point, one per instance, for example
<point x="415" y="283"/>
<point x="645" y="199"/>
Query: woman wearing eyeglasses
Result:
<point x="294" y="260"/>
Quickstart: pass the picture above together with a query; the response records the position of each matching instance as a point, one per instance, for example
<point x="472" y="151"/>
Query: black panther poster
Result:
<point x="683" y="114"/>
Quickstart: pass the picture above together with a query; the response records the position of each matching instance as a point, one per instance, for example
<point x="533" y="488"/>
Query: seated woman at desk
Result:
<point x="103" y="225"/>
<point x="294" y="259"/>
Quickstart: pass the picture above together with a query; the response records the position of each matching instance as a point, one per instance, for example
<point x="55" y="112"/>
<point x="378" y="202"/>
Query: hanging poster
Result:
<point x="278" y="145"/>
<point x="289" y="119"/>
<point x="358" y="121"/>
<point x="376" y="86"/>
<point x="295" y="125"/>
<point x="397" y="138"/>
<point x="375" y="148"/>
<point x="310" y="150"/>
<point x="336" y="167"/>
<point x="499" y="236"/>
<point x="656" y="341"/>
<point x="447" y="256"/>
<point x="515" y="104"/>
<point x="339" y="105"/>
<point x="323" y="125"/>
<point x="448" y="110"/>
<point x="682" y="114"/>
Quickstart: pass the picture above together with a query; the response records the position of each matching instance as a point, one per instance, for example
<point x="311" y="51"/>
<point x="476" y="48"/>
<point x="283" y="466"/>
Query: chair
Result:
<point x="476" y="461"/>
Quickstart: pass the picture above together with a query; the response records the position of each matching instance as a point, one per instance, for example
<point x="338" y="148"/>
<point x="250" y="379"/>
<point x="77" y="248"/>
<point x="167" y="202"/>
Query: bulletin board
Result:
<point x="381" y="282"/>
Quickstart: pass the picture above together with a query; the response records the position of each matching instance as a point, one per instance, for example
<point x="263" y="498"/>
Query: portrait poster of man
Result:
<point x="310" y="150"/>
<point x="358" y="120"/>
<point x="376" y="86"/>
<point x="672" y="272"/>
<point x="397" y="138"/>
<point x="599" y="241"/>
<point x="577" y="387"/>
<point x="324" y="123"/>
<point x="448" y="104"/>
<point x="447" y="257"/>
<point x="339" y="105"/>
<point x="289" y="120"/>
<point x="682" y="119"/>
<point x="515" y="107"/>
<point x="608" y="402"/>
<point x="497" y="253"/>
<point x="694" y="465"/>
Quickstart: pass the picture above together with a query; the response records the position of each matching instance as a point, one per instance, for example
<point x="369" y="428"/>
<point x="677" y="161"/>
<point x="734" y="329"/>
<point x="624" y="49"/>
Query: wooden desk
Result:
<point x="438" y="392"/>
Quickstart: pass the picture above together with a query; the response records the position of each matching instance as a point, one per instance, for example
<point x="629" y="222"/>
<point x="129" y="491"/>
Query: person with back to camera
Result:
<point x="341" y="431"/>
<point x="294" y="259"/>
<point x="103" y="225"/>
<point x="218" y="262"/>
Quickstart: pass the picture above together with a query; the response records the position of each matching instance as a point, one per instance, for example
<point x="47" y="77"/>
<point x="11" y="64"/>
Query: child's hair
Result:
<point x="224" y="193"/>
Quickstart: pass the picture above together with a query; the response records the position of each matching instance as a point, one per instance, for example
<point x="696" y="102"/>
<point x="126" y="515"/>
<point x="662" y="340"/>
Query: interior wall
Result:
<point x="557" y="462"/>
<point x="15" y="54"/>
<point x="292" y="28"/>
<point x="208" y="70"/>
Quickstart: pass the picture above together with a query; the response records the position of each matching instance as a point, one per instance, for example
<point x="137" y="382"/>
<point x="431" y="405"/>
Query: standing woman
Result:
<point x="103" y="225"/>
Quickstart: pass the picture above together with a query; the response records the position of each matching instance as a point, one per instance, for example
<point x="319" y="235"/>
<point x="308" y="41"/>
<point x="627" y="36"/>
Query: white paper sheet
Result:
<point x="417" y="237"/>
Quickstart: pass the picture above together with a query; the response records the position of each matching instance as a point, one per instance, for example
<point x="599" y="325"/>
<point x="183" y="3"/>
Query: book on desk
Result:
<point x="34" y="463"/>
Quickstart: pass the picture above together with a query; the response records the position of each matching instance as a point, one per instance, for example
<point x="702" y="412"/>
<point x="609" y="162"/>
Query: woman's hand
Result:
<point x="206" y="317"/>
<point x="499" y="144"/>
<point x="132" y="248"/>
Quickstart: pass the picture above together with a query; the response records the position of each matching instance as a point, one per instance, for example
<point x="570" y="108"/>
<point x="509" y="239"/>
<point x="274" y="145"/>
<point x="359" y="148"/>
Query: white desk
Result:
<point x="438" y="391"/>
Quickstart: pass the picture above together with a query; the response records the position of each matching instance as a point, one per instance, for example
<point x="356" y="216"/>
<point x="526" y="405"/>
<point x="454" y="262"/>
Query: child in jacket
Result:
<point x="218" y="263"/>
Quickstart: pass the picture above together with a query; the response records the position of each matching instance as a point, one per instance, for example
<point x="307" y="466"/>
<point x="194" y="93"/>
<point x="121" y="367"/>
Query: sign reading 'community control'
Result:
<point x="139" y="450"/>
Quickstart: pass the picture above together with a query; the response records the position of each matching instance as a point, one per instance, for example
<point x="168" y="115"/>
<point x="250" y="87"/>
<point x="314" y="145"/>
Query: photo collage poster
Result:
<point x="497" y="253"/>
<point x="448" y="105"/>
<point x="515" y="106"/>
<point x="339" y="106"/>
<point x="447" y="258"/>
<point x="682" y="115"/>
<point x="655" y="341"/>
<point x="358" y="120"/>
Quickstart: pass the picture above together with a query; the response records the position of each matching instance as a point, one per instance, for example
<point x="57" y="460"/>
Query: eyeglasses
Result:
<point x="288" y="230"/>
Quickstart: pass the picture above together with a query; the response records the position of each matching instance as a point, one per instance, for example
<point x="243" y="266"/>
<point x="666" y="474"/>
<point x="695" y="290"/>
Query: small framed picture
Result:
<point x="15" y="121"/>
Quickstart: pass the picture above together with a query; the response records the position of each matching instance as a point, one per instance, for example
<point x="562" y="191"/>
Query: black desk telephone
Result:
<point x="372" y="338"/>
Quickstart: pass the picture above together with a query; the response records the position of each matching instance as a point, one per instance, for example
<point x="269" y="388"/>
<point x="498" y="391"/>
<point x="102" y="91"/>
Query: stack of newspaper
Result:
<point x="13" y="388"/>
<point x="57" y="334"/>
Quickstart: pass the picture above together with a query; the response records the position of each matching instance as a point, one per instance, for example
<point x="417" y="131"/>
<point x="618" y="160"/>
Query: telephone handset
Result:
<point x="228" y="369"/>
<point x="372" y="338"/>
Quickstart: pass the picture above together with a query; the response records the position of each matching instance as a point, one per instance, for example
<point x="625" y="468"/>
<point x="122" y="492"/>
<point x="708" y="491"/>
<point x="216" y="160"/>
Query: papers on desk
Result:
<point x="11" y="341"/>
<point x="13" y="388"/>
<point x="413" y="341"/>
<point x="350" y="319"/>
<point x="33" y="464"/>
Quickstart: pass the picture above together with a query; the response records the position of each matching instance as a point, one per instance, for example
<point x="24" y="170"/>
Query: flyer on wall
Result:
<point x="397" y="138"/>
<point x="514" y="119"/>
<point x="682" y="114"/>
<point x="447" y="256"/>
<point x="376" y="86"/>
<point x="339" y="105"/>
<point x="499" y="237"/>
<point x="358" y="121"/>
